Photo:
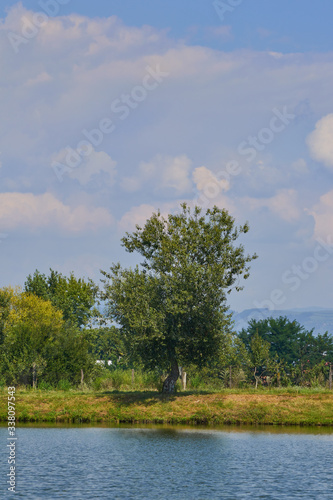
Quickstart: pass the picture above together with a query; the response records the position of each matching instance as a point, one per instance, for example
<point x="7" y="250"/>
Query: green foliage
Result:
<point x="173" y="309"/>
<point x="120" y="379"/>
<point x="289" y="341"/>
<point x="259" y="356"/>
<point x="106" y="343"/>
<point x="38" y="345"/>
<point x="196" y="382"/>
<point x="31" y="325"/>
<point x="74" y="297"/>
<point x="6" y="296"/>
<point x="259" y="351"/>
<point x="68" y="356"/>
<point x="45" y="386"/>
<point x="295" y="354"/>
<point x="64" y="385"/>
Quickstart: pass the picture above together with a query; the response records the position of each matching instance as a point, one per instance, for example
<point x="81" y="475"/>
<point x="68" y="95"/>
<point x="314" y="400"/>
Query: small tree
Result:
<point x="36" y="343"/>
<point x="259" y="357"/>
<point x="173" y="309"/>
<point x="233" y="360"/>
<point x="32" y="324"/>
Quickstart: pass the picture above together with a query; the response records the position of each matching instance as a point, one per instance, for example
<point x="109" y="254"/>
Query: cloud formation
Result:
<point x="172" y="146"/>
<point x="163" y="173"/>
<point x="320" y="141"/>
<point x="322" y="213"/>
<point x="85" y="167"/>
<point x="207" y="182"/>
<point x="284" y="204"/>
<point x="31" y="212"/>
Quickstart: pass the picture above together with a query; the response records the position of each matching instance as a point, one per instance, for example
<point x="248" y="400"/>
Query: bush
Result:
<point x="45" y="386"/>
<point x="64" y="385"/>
<point x="119" y="379"/>
<point x="195" y="382"/>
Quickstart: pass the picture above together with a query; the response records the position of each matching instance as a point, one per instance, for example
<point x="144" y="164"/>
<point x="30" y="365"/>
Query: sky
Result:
<point x="112" y="110"/>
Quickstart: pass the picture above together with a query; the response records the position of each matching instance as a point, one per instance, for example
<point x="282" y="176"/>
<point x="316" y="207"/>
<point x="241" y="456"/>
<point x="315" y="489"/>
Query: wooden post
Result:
<point x="183" y="380"/>
<point x="132" y="376"/>
<point x="230" y="378"/>
<point x="82" y="375"/>
<point x="330" y="377"/>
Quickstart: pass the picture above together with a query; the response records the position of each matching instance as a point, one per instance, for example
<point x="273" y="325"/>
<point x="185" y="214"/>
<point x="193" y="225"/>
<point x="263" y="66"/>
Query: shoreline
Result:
<point x="269" y="408"/>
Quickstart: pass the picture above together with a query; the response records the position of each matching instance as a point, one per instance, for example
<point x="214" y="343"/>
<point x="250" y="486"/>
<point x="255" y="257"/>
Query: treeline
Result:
<point x="276" y="352"/>
<point x="52" y="333"/>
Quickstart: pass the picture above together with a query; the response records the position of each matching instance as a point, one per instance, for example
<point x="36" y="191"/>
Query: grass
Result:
<point x="287" y="406"/>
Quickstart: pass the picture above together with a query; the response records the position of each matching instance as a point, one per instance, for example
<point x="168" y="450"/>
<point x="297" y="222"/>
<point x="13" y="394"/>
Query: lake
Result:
<point x="169" y="463"/>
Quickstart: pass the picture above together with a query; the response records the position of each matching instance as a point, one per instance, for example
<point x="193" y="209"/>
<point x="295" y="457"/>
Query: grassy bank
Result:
<point x="279" y="407"/>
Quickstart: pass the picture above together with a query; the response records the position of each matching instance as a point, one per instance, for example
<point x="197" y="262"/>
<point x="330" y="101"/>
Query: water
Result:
<point x="168" y="463"/>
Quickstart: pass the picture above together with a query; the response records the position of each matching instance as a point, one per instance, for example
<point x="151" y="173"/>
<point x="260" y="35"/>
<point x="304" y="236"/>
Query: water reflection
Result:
<point x="165" y="462"/>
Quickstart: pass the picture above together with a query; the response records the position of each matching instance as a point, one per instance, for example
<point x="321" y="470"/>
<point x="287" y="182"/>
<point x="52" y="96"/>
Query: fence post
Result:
<point x="132" y="376"/>
<point x="183" y="375"/>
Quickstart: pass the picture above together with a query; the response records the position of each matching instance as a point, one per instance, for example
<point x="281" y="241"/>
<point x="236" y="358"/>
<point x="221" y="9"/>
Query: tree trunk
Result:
<point x="170" y="382"/>
<point x="256" y="377"/>
<point x="230" y="377"/>
<point x="82" y="377"/>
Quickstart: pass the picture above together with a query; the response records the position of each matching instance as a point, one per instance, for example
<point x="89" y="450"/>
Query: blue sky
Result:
<point x="297" y="25"/>
<point x="112" y="110"/>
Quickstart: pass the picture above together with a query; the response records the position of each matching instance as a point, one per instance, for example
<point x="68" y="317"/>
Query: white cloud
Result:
<point x="89" y="166"/>
<point x="97" y="34"/>
<point x="175" y="173"/>
<point x="224" y="32"/>
<point x="29" y="211"/>
<point x="284" y="204"/>
<point x="320" y="141"/>
<point x="163" y="173"/>
<point x="300" y="166"/>
<point x="43" y="77"/>
<point x="207" y="182"/>
<point x="323" y="216"/>
<point x="64" y="80"/>
<point x="137" y="215"/>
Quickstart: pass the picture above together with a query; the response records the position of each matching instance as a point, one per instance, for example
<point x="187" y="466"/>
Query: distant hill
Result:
<point x="318" y="318"/>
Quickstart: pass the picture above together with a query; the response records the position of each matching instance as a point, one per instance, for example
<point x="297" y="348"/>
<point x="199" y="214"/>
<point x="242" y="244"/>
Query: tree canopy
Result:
<point x="172" y="309"/>
<point x="75" y="297"/>
<point x="289" y="341"/>
<point x="36" y="342"/>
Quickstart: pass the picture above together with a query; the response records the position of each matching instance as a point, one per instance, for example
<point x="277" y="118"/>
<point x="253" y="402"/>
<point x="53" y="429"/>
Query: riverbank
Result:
<point x="227" y="407"/>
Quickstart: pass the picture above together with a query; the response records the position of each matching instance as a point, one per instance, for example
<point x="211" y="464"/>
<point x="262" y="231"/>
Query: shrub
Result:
<point x="45" y="386"/>
<point x="64" y="385"/>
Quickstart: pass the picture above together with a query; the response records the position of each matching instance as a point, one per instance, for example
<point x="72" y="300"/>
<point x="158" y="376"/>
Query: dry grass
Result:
<point x="227" y="407"/>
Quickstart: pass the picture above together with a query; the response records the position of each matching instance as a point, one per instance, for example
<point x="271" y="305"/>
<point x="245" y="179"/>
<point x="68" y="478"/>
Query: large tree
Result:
<point x="172" y="309"/>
